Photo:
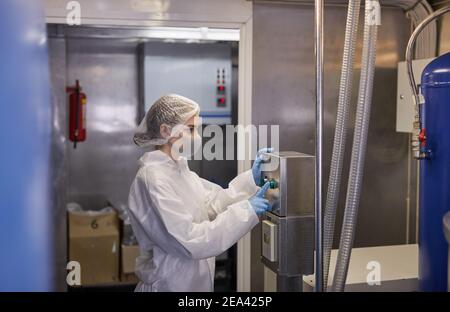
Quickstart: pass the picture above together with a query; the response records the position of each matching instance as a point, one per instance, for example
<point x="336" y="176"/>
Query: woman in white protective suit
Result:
<point x="182" y="221"/>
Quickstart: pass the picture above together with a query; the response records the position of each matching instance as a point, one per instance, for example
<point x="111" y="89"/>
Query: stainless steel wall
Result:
<point x="444" y="45"/>
<point x="102" y="168"/>
<point x="283" y="93"/>
<point x="443" y="28"/>
<point x="57" y="60"/>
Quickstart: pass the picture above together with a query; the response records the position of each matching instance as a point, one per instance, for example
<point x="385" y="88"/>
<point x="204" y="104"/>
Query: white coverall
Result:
<point x="182" y="222"/>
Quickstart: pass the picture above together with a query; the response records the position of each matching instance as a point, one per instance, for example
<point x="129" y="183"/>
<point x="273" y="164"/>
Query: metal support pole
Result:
<point x="319" y="8"/>
<point x="289" y="283"/>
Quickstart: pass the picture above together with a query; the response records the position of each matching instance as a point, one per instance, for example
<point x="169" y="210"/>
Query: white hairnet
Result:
<point x="172" y="110"/>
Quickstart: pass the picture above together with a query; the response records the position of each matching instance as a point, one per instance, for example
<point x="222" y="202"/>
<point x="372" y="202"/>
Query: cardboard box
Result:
<point x="94" y="243"/>
<point x="129" y="255"/>
<point x="129" y="278"/>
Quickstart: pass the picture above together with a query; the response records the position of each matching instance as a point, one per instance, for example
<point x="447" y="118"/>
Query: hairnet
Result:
<point x="172" y="110"/>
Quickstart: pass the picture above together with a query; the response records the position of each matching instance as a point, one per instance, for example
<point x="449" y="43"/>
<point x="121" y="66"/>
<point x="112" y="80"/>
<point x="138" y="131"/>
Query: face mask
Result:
<point x="187" y="145"/>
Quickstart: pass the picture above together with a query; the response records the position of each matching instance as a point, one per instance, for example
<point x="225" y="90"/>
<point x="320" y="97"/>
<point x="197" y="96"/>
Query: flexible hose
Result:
<point x="358" y="149"/>
<point x="340" y="134"/>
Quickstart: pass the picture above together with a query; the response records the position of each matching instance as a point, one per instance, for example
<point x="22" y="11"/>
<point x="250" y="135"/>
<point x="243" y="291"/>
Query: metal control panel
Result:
<point x="288" y="231"/>
<point x="291" y="239"/>
<point x="291" y="191"/>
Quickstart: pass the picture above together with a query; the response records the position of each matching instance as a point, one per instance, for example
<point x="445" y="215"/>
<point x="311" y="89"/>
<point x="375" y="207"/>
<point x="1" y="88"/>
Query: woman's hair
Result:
<point x="170" y="110"/>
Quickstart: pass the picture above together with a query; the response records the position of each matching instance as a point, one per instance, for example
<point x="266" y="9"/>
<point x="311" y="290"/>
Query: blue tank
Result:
<point x="25" y="129"/>
<point x="435" y="175"/>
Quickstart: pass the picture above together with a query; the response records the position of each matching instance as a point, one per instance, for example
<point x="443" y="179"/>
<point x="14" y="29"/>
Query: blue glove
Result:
<point x="256" y="168"/>
<point x="259" y="203"/>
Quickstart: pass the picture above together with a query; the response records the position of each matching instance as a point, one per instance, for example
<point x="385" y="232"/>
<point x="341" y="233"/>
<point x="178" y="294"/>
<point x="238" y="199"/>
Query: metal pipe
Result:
<point x="410" y="49"/>
<point x="289" y="283"/>
<point x="319" y="8"/>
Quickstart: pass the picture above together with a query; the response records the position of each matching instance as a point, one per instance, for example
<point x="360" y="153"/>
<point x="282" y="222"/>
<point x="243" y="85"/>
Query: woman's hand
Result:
<point x="259" y="204"/>
<point x="256" y="168"/>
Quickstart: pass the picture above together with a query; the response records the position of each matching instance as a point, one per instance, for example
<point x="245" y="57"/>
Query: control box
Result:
<point x="288" y="230"/>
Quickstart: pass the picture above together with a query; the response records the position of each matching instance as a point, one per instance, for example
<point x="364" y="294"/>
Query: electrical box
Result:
<point x="199" y="71"/>
<point x="288" y="230"/>
<point x="405" y="102"/>
<point x="269" y="240"/>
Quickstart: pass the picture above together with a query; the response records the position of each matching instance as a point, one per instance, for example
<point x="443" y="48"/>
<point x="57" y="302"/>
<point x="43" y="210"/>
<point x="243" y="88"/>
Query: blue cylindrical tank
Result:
<point x="25" y="129"/>
<point x="435" y="175"/>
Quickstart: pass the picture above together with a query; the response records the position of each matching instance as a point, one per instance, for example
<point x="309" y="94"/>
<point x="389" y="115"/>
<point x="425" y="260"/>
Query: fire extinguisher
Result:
<point x="77" y="114"/>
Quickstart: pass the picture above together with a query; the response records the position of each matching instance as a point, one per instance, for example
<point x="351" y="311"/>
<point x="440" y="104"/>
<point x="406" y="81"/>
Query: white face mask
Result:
<point x="187" y="145"/>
